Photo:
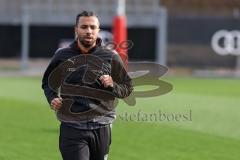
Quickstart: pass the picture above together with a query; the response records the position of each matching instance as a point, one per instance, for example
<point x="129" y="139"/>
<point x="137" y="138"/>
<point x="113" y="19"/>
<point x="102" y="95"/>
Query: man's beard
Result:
<point x="86" y="44"/>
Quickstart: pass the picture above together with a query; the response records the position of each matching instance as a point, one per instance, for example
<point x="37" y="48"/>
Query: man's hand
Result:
<point x="106" y="81"/>
<point x="56" y="103"/>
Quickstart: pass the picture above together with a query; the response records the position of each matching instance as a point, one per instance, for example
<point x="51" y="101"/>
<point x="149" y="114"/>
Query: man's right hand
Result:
<point x="56" y="103"/>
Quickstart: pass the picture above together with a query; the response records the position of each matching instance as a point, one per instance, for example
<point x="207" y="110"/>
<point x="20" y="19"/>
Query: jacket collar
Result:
<point x="74" y="45"/>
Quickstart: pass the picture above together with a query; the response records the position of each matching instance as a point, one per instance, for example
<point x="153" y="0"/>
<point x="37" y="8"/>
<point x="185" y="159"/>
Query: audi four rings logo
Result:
<point x="226" y="42"/>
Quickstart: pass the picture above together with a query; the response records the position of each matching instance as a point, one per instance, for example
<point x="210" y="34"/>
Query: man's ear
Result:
<point x="75" y="32"/>
<point x="75" y="29"/>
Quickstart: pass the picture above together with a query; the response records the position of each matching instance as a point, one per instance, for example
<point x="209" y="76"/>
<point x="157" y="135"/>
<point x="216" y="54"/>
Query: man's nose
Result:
<point x="89" y="30"/>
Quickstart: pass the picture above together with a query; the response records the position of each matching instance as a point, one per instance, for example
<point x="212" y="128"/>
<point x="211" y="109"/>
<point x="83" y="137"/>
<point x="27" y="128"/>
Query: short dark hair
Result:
<point x="85" y="14"/>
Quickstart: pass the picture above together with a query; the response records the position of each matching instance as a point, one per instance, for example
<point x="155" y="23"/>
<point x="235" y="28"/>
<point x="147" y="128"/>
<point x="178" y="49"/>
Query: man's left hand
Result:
<point x="106" y="81"/>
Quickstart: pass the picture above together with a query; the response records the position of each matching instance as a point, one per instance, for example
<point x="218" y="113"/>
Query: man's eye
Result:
<point x="93" y="27"/>
<point x="84" y="27"/>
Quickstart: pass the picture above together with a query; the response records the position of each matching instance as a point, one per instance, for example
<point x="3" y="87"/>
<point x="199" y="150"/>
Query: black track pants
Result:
<point x="77" y="144"/>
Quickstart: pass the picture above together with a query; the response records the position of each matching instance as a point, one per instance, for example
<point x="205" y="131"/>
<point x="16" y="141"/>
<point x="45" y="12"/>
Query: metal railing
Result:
<point x="64" y="11"/>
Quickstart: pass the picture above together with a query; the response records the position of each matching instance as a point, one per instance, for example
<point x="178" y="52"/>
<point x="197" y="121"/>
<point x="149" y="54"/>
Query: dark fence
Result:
<point x="44" y="40"/>
<point x="189" y="41"/>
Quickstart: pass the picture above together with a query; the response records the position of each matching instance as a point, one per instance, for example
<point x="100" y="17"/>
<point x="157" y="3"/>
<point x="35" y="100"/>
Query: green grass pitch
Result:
<point x="29" y="130"/>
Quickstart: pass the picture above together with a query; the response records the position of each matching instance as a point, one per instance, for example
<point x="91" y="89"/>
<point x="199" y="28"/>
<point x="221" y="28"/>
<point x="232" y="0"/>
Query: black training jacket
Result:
<point x="74" y="76"/>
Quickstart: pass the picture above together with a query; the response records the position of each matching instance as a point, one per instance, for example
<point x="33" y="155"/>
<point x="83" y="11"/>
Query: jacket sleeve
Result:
<point x="49" y="93"/>
<point x="122" y="83"/>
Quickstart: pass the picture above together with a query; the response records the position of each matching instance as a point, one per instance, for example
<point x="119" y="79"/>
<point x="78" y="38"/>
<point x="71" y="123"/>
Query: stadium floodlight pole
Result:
<point x="120" y="29"/>
<point x="162" y="37"/>
<point x="25" y="37"/>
